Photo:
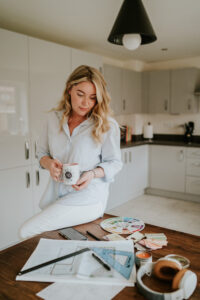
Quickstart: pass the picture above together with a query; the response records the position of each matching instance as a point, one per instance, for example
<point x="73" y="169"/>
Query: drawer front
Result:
<point x="193" y="167"/>
<point x="193" y="185"/>
<point x="193" y="152"/>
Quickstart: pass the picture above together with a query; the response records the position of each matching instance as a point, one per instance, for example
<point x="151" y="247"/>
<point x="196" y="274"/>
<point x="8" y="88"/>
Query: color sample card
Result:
<point x="136" y="236"/>
<point x="113" y="237"/>
<point x="122" y="225"/>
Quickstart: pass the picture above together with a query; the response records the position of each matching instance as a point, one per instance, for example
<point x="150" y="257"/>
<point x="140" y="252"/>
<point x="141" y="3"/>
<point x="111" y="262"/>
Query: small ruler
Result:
<point x="109" y="256"/>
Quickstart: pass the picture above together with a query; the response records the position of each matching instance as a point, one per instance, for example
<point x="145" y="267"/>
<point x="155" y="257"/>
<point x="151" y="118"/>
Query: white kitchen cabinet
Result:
<point x="124" y="87"/>
<point x="131" y="92"/>
<point x="50" y="66"/>
<point x="183" y="84"/>
<point x="167" y="168"/>
<point x="132" y="179"/>
<point x="145" y="91"/>
<point x="159" y="91"/>
<point x="80" y="57"/>
<point x="40" y="179"/>
<point x="113" y="77"/>
<point x="118" y="190"/>
<point x="14" y="120"/>
<point x="16" y="204"/>
<point x="170" y="91"/>
<point x="193" y="171"/>
<point x="15" y="151"/>
<point x="138" y="169"/>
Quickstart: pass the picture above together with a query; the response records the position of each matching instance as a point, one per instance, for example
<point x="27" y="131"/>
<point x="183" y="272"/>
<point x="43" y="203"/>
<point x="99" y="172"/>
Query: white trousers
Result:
<point x="57" y="216"/>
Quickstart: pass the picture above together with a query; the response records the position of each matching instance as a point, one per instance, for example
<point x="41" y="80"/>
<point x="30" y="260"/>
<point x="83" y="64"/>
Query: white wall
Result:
<point x="162" y="123"/>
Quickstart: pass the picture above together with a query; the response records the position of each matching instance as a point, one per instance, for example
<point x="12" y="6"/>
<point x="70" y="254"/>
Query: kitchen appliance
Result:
<point x="189" y="128"/>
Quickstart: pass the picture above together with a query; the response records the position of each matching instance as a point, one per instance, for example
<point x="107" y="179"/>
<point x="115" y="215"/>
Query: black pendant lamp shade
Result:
<point x="132" y="19"/>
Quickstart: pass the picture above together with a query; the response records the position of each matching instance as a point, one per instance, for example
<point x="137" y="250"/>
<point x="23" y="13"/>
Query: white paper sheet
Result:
<point x="82" y="268"/>
<point x="73" y="291"/>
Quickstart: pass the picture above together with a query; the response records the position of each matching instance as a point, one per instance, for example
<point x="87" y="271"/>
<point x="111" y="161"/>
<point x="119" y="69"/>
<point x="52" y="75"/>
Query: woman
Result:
<point x="80" y="130"/>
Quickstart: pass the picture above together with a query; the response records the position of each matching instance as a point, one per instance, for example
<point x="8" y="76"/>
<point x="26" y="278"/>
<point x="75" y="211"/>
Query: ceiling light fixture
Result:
<point x="132" y="26"/>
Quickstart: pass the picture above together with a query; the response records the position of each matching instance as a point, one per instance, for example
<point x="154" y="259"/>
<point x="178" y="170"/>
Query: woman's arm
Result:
<point x="111" y="154"/>
<point x="110" y="162"/>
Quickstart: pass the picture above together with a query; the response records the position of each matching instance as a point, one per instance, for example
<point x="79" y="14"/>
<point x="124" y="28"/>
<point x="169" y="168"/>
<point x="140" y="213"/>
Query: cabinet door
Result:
<point x="193" y="185"/>
<point x="132" y="179"/>
<point x="40" y="178"/>
<point x="113" y="77"/>
<point x="15" y="151"/>
<point x="183" y="85"/>
<point x="118" y="188"/>
<point x="159" y="92"/>
<point x="131" y="89"/>
<point x="80" y="57"/>
<point x="14" y="121"/>
<point x="16" y="203"/>
<point x="145" y="91"/>
<point x="138" y="170"/>
<point x="167" y="168"/>
<point x="50" y="66"/>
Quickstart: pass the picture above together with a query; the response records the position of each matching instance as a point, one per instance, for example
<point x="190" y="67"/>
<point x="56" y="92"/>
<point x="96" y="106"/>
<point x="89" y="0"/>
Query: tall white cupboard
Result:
<point x="33" y="74"/>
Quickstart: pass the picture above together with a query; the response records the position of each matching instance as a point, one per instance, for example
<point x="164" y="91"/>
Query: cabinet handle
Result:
<point x="36" y="150"/>
<point x="26" y="150"/>
<point x="124" y="104"/>
<point x="181" y="155"/>
<point x="130" y="156"/>
<point x="100" y="70"/>
<point x="189" y="106"/>
<point x="37" y="177"/>
<point x="125" y="157"/>
<point x="28" y="181"/>
<point x="166" y="105"/>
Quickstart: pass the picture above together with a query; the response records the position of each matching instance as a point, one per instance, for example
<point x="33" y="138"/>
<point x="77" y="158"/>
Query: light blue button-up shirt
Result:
<point x="80" y="148"/>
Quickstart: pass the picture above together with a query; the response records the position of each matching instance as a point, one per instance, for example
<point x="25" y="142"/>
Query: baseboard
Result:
<point x="174" y="195"/>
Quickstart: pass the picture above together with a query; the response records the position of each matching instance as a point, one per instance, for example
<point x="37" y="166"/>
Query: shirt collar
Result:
<point x="87" y="122"/>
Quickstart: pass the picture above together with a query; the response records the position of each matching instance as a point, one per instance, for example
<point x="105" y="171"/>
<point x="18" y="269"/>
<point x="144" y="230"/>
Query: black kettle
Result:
<point x="189" y="128"/>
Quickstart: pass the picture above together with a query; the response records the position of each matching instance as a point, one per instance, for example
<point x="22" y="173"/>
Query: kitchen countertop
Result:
<point x="159" y="142"/>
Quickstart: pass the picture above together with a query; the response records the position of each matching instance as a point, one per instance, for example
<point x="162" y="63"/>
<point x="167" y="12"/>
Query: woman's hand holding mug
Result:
<point x="55" y="169"/>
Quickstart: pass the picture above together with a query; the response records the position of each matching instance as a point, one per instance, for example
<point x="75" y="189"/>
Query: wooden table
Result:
<point x="12" y="259"/>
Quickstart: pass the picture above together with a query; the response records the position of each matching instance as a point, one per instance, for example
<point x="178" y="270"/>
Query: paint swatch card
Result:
<point x="136" y="236"/>
<point x="113" y="237"/>
<point x="156" y="236"/>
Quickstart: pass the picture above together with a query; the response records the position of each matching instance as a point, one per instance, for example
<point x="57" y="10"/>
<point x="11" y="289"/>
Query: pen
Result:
<point x="53" y="261"/>
<point x="101" y="262"/>
<point x="93" y="236"/>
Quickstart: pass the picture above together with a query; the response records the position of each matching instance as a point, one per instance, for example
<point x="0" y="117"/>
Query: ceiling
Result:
<point x="86" y="24"/>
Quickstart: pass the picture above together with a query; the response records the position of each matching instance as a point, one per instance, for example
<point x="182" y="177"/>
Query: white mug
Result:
<point x="70" y="173"/>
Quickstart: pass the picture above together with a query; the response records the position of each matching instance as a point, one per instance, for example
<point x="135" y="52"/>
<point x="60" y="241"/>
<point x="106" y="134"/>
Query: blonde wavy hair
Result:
<point x="100" y="112"/>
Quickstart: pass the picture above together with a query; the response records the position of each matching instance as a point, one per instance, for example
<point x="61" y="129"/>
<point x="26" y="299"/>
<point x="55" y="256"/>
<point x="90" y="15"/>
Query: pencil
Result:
<point x="53" y="261"/>
<point x="92" y="235"/>
<point x="101" y="262"/>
